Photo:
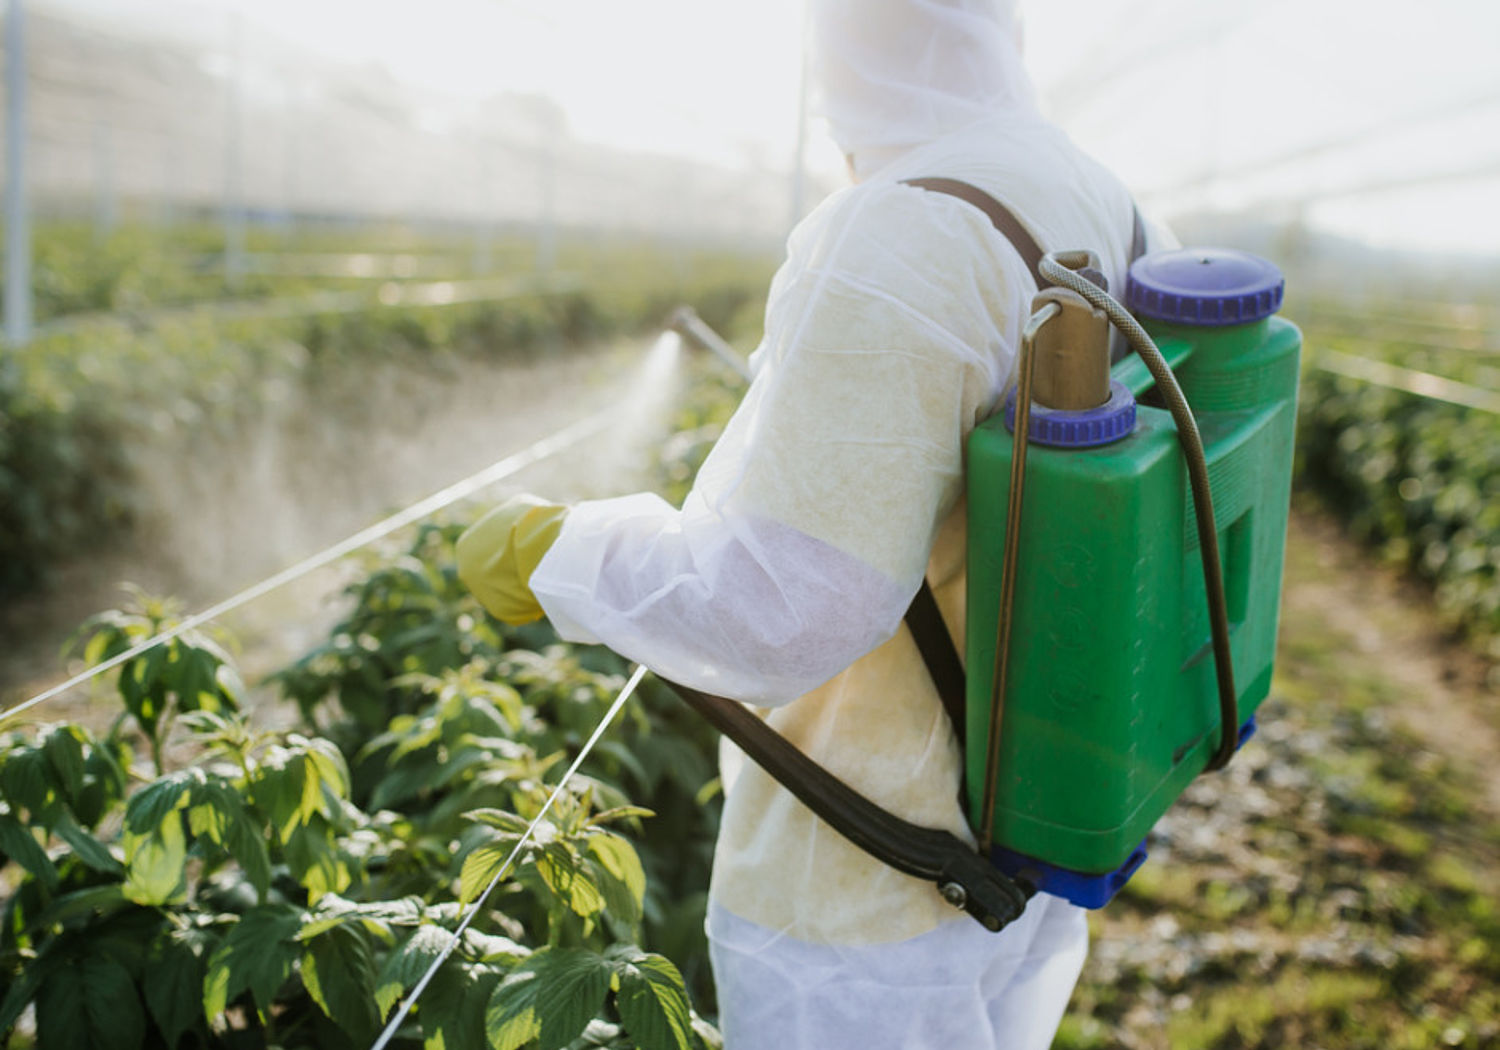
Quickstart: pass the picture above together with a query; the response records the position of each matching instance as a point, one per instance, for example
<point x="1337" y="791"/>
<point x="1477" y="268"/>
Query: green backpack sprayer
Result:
<point x="1124" y="577"/>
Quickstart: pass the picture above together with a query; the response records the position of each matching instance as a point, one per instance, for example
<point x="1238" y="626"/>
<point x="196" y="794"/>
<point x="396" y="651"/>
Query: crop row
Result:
<point x="77" y="268"/>
<point x="289" y="888"/>
<point x="1416" y="476"/>
<point x="74" y="404"/>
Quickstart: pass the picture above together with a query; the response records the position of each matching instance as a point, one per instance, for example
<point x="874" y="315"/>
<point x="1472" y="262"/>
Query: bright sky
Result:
<point x="1195" y="96"/>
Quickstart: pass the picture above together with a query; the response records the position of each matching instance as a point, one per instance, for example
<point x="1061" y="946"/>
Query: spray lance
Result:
<point x="686" y="323"/>
<point x="1124" y="578"/>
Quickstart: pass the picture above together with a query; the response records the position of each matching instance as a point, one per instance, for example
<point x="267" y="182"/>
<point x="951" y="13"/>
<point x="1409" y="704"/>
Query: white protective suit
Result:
<point x="891" y="330"/>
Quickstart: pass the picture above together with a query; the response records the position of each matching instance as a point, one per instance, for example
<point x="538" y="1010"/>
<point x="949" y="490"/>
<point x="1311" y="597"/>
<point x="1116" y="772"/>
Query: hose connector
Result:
<point x="1072" y="351"/>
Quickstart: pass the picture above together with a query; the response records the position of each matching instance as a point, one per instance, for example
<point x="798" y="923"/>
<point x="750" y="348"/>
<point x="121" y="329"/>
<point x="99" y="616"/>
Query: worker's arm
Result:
<point x="808" y="529"/>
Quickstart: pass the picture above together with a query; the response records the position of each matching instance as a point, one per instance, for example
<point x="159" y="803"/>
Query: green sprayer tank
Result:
<point x="1111" y="706"/>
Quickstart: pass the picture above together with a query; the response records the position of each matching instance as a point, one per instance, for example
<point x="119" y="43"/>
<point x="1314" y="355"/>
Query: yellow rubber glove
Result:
<point x="499" y="552"/>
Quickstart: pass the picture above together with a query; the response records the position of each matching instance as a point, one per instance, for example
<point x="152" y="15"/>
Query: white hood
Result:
<point x="894" y="74"/>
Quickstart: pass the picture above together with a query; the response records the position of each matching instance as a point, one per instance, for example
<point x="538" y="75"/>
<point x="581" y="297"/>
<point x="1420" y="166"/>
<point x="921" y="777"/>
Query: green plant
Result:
<point x="1418" y="478"/>
<point x="191" y="672"/>
<point x="247" y="900"/>
<point x="77" y="404"/>
<point x="426" y="695"/>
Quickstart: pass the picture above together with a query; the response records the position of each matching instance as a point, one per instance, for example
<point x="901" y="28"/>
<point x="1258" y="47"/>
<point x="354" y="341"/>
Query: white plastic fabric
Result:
<point x="956" y="988"/>
<point x="891" y="331"/>
<point x="890" y="76"/>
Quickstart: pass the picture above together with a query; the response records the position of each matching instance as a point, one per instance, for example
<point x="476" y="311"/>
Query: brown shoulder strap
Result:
<point x="923" y="618"/>
<point x="965" y="877"/>
<point x="1009" y="226"/>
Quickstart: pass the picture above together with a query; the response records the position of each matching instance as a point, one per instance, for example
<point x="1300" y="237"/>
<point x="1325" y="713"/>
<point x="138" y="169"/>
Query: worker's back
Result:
<point x="878" y="265"/>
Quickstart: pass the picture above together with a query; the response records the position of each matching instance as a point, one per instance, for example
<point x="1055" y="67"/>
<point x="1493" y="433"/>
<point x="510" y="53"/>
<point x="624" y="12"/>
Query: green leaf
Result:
<point x="85" y="847"/>
<point x="104" y="782"/>
<point x="338" y="969"/>
<point x="230" y="686"/>
<point x="329" y="764"/>
<point x="560" y="869"/>
<point x="218" y="812"/>
<point x="405" y="782"/>
<point x="621" y="753"/>
<point x="103" y="900"/>
<point x="26" y="781"/>
<point x="550" y="997"/>
<point x="103" y="643"/>
<point x="150" y="807"/>
<point x="20" y="845"/>
<point x="706" y="793"/>
<point x="624" y="884"/>
<point x="333" y="910"/>
<point x="90" y="1002"/>
<point x="21" y="994"/>
<point x="632" y="813"/>
<point x="489" y="947"/>
<point x="246" y="843"/>
<point x="63" y="746"/>
<point x="141" y="686"/>
<point x="156" y="864"/>
<point x="256" y="956"/>
<point x="174" y="983"/>
<point x="498" y="818"/>
<point x="279" y="790"/>
<point x="480" y="867"/>
<point x="652" y="1000"/>
<point x="208" y="819"/>
<point x="404" y="967"/>
<point x="452" y="1010"/>
<point x="313" y="855"/>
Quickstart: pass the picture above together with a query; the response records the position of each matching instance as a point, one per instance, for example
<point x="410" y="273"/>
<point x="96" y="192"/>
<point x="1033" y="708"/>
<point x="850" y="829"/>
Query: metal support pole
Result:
<point x="234" y="182"/>
<point x="546" y="244"/>
<point x="799" y="152"/>
<point x="17" y="221"/>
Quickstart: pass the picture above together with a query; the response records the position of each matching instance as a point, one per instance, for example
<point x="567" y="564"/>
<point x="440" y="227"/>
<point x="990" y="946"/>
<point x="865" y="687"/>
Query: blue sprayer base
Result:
<point x="1087" y="890"/>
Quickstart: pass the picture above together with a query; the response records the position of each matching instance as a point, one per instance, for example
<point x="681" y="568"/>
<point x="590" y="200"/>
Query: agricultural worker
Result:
<point x="890" y="331"/>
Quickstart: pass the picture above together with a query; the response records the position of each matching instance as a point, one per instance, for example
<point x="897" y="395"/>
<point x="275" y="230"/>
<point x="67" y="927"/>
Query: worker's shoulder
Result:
<point x="880" y="232"/>
<point x="900" y="212"/>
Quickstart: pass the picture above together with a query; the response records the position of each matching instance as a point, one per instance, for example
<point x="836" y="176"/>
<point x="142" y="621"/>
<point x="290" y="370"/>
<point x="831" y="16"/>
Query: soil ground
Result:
<point x="1446" y="693"/>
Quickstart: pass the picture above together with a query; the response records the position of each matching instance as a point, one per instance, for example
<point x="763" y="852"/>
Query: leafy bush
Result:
<point x="1420" y="478"/>
<point x="74" y="404"/>
<point x="394" y="685"/>
<point x="286" y="889"/>
<point x="62" y="477"/>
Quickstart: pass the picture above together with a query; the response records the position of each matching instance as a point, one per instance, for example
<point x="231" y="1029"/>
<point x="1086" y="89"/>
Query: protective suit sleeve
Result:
<point x="808" y="528"/>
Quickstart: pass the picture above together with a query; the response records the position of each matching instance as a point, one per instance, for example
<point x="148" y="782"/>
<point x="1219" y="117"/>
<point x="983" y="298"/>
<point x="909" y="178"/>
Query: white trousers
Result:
<point x="959" y="987"/>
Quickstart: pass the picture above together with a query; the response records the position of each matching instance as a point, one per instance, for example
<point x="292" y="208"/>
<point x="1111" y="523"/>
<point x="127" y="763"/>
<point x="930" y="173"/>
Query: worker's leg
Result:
<point x="1027" y="1001"/>
<point x="934" y="991"/>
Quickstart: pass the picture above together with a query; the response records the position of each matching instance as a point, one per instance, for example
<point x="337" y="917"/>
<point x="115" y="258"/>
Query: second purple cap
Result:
<point x="1204" y="286"/>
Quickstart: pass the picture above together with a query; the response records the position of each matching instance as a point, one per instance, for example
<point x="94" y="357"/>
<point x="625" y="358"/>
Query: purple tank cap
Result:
<point x="1204" y="286"/>
<point x="1059" y="428"/>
